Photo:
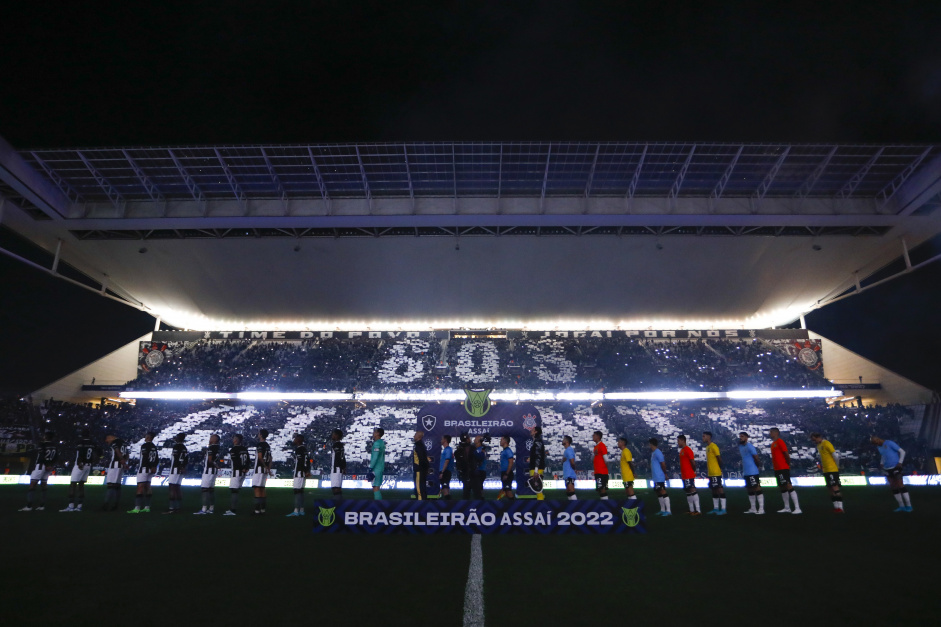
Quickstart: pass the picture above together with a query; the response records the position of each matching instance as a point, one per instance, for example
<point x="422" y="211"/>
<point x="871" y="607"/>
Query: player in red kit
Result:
<point x="781" y="461"/>
<point x="688" y="474"/>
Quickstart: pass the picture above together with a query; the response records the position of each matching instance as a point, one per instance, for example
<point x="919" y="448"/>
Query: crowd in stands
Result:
<point x="381" y="365"/>
<point x="849" y="430"/>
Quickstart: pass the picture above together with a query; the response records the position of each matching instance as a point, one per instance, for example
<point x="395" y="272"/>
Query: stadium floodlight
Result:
<point x="294" y="396"/>
<point x="177" y="395"/>
<point x="782" y="394"/>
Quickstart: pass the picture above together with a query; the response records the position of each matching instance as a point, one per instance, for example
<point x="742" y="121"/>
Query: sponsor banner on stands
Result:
<point x="649" y="334"/>
<point x="160" y="337"/>
<point x="515" y="516"/>
<point x="192" y="336"/>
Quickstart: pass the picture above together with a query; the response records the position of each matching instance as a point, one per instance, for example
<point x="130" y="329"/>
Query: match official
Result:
<point x="445" y="465"/>
<point x="420" y="466"/>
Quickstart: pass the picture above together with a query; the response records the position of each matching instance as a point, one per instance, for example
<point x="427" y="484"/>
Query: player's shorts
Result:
<point x="832" y="479"/>
<point x="752" y="481"/>
<point x="175" y="479"/>
<point x="715" y="483"/>
<point x="601" y="482"/>
<point x="506" y="478"/>
<point x="209" y="480"/>
<point x="376" y="482"/>
<point x="236" y="480"/>
<point x="894" y="473"/>
<point x="659" y="485"/>
<point x="783" y="476"/>
<point x="689" y="484"/>
<point x="446" y="479"/>
<point x="40" y="474"/>
<point x="299" y="482"/>
<point x="259" y="479"/>
<point x="336" y="479"/>
<point x="569" y="482"/>
<point x="80" y="475"/>
<point x="113" y="475"/>
<point x="144" y="477"/>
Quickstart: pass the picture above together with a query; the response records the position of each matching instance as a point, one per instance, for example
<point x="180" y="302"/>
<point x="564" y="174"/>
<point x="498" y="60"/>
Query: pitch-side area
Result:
<point x="869" y="566"/>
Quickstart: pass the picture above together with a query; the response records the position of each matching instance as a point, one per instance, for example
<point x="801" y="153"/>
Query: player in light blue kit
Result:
<point x="750" y="472"/>
<point x="507" y="464"/>
<point x="892" y="458"/>
<point x="658" y="473"/>
<point x="568" y="468"/>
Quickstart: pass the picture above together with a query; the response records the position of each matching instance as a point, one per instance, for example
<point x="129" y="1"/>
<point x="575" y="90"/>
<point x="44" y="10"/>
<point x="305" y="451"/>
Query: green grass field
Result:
<point x="867" y="567"/>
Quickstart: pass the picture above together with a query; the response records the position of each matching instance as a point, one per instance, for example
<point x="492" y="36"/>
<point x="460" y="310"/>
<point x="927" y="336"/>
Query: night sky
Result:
<point x="239" y="72"/>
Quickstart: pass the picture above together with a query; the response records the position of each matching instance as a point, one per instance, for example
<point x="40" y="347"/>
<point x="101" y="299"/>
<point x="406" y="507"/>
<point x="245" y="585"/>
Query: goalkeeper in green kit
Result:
<point x="377" y="461"/>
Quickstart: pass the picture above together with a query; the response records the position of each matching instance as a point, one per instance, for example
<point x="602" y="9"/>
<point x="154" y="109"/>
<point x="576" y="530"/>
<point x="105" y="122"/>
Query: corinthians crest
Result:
<point x="477" y="403"/>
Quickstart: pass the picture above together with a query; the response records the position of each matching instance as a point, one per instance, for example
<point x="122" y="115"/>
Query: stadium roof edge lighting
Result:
<point x="199" y="322"/>
<point x="496" y="395"/>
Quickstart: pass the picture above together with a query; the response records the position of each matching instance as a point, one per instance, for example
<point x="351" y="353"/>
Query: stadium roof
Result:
<point x="803" y="223"/>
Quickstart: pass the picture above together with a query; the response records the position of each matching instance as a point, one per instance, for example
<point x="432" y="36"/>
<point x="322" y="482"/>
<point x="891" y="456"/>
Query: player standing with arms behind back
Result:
<point x="507" y="463"/>
<point x="115" y="471"/>
<point x="85" y="455"/>
<point x="337" y="463"/>
<point x="568" y="467"/>
<point x="781" y="462"/>
<point x="714" y="472"/>
<point x="302" y="471"/>
<point x="688" y="475"/>
<point x="600" y="465"/>
<point x="377" y="461"/>
<point x="46" y="455"/>
<point x="241" y="461"/>
<point x="149" y="458"/>
<point x="829" y="465"/>
<point x="178" y="456"/>
<point x="445" y="467"/>
<point x="627" y="467"/>
<point x="750" y="463"/>
<point x="208" y="483"/>
<point x="658" y="474"/>
<point x="262" y="470"/>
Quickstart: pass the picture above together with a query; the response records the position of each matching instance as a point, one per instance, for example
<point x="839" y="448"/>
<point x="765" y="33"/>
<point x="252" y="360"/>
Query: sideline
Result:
<point x="474" y="592"/>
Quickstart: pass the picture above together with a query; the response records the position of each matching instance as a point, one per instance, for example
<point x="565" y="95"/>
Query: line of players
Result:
<point x="469" y="460"/>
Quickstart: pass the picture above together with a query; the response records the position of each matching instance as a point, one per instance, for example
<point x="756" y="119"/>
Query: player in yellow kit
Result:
<point x="829" y="465"/>
<point x="714" y="470"/>
<point x="627" y="467"/>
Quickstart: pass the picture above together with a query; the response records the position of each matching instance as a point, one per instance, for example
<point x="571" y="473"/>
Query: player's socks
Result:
<point x="29" y="499"/>
<point x="715" y="504"/>
<point x="377" y="495"/>
<point x="722" y="503"/>
<point x="696" y="502"/>
<point x="662" y="506"/>
<point x="751" y="502"/>
<point x="898" y="498"/>
<point x="604" y="498"/>
<point x="761" y="503"/>
<point x="907" y="500"/>
<point x="666" y="500"/>
<point x="793" y="494"/>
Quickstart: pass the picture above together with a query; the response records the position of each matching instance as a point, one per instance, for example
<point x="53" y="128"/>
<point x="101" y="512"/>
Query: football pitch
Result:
<point x="869" y="566"/>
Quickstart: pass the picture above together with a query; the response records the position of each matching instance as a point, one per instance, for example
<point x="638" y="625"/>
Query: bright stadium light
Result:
<point x="503" y="396"/>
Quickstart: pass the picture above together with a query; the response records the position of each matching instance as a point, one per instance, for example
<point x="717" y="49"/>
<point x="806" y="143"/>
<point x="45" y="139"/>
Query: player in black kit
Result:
<point x="46" y="455"/>
<point x="149" y="458"/>
<point x="462" y="461"/>
<point x="262" y="469"/>
<point x="115" y="472"/>
<point x="338" y="464"/>
<point x="301" y="472"/>
<point x="537" y="463"/>
<point x="177" y="467"/>
<point x="86" y="453"/>
<point x="241" y="461"/>
<point x="420" y="466"/>
<point x="210" y="469"/>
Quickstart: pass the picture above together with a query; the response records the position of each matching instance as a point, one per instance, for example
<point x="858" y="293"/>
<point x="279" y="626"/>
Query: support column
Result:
<point x="55" y="261"/>
<point x="908" y="260"/>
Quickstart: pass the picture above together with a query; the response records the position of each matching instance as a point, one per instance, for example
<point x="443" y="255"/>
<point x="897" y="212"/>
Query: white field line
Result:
<point x="474" y="592"/>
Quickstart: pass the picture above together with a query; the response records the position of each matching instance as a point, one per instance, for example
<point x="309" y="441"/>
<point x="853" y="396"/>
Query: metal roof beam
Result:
<point x="191" y="185"/>
<point x="70" y="193"/>
<point x="773" y="172"/>
<point x="117" y="200"/>
<point x="591" y="172"/>
<point x="274" y="177"/>
<point x="545" y="182"/>
<point x="807" y="186"/>
<point x="149" y="185"/>
<point x="236" y="189"/>
<point x="889" y="190"/>
<point x="408" y="174"/>
<point x="678" y="183"/>
<point x="362" y="172"/>
<point x="323" y="188"/>
<point x="726" y="176"/>
<point x="635" y="179"/>
<point x="847" y="190"/>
